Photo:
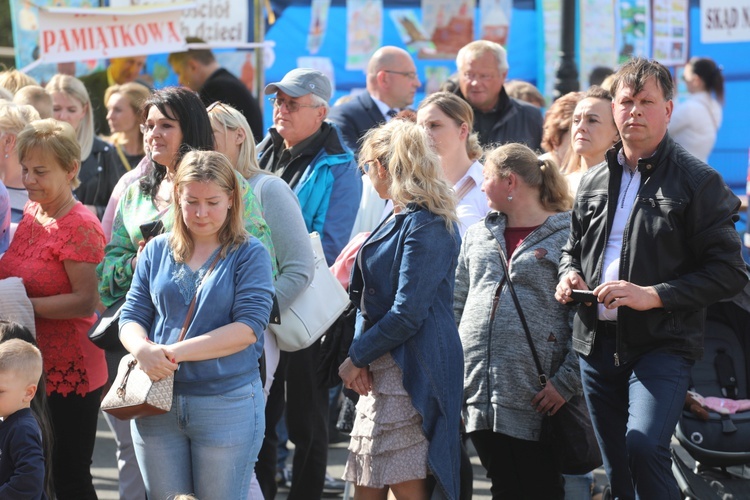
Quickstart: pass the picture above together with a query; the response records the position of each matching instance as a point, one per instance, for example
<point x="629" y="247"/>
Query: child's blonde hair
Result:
<point x="21" y="358"/>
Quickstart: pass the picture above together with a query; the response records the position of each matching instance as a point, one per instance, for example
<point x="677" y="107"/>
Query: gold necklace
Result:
<point x="37" y="223"/>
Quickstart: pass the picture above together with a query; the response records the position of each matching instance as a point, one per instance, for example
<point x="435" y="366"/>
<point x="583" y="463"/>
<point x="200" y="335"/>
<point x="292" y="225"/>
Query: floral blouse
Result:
<point x="137" y="208"/>
<point x="36" y="255"/>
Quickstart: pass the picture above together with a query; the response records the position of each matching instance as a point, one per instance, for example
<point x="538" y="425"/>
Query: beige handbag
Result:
<point x="133" y="394"/>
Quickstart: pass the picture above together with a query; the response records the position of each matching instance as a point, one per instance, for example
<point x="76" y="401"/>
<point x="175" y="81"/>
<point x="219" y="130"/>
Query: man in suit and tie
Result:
<point x="392" y="82"/>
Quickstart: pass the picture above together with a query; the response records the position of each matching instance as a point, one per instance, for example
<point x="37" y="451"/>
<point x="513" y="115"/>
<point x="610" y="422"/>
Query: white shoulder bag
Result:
<point x="313" y="311"/>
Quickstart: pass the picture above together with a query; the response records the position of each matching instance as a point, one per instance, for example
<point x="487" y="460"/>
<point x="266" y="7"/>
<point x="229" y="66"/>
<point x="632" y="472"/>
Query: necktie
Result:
<point x="392" y="113"/>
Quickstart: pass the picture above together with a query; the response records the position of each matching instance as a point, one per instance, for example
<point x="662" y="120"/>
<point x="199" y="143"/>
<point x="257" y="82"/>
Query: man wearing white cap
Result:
<point x="307" y="152"/>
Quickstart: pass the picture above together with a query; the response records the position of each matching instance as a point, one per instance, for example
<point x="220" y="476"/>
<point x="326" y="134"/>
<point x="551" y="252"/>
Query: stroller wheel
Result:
<point x="607" y="493"/>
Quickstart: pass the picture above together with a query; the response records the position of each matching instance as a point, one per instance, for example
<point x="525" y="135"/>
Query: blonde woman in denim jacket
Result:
<point x="503" y="404"/>
<point x="407" y="364"/>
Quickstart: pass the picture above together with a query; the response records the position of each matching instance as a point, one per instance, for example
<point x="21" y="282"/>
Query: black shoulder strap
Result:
<point x="726" y="375"/>
<point x="504" y="262"/>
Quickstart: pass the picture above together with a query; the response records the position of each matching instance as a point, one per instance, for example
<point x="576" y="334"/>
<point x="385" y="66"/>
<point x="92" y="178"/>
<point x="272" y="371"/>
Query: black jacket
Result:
<point x="516" y="121"/>
<point x="355" y="118"/>
<point x="680" y="238"/>
<point x="225" y="87"/>
<point x="99" y="174"/>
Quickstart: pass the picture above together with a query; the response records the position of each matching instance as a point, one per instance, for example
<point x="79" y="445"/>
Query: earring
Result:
<point x="510" y="198"/>
<point x="7" y="156"/>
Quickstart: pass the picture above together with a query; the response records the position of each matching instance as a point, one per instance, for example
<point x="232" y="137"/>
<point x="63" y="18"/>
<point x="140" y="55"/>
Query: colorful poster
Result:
<point x="318" y="25"/>
<point x="449" y="24"/>
<point x="494" y="20"/>
<point x="412" y="33"/>
<point x="364" y="33"/>
<point x="549" y="13"/>
<point x="633" y="25"/>
<point x="25" y="19"/>
<point x="670" y="25"/>
<point x="597" y="44"/>
<point x="70" y="34"/>
<point x="435" y="76"/>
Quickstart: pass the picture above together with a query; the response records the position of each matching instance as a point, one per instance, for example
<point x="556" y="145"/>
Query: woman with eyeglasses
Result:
<point x="695" y="122"/>
<point x="407" y="364"/>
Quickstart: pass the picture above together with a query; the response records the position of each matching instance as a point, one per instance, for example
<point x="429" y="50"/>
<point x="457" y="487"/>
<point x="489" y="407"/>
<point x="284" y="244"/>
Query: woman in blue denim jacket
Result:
<point x="408" y="363"/>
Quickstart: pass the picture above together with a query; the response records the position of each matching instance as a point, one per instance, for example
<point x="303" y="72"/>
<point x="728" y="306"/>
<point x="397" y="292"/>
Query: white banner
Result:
<point x="74" y="34"/>
<point x="214" y="21"/>
<point x="725" y="21"/>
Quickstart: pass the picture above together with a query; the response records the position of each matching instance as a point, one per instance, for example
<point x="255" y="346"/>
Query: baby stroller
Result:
<point x="714" y="459"/>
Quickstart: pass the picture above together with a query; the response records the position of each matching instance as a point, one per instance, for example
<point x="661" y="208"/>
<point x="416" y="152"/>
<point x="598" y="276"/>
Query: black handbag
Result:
<point x="334" y="347"/>
<point x="569" y="430"/>
<point x="105" y="333"/>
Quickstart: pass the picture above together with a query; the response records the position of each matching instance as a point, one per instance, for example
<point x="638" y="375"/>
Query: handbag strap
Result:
<point x="504" y="262"/>
<point x="191" y="308"/>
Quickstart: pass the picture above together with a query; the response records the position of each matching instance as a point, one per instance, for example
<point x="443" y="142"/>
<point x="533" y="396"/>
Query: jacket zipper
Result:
<point x="495" y="302"/>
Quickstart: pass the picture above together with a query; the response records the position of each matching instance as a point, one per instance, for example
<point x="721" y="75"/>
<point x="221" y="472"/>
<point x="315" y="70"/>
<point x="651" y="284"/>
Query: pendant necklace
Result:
<point x="36" y="222"/>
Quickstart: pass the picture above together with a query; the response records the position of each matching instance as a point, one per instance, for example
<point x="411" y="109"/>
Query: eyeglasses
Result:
<point x="482" y="77"/>
<point x="408" y="74"/>
<point x="144" y="129"/>
<point x="291" y="106"/>
<point x="216" y="104"/>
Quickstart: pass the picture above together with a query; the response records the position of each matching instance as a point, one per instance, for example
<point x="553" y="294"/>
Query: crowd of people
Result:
<point x="464" y="243"/>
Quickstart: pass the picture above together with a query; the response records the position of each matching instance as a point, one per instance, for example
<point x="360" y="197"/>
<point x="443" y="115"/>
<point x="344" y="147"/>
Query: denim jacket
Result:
<point x="406" y="280"/>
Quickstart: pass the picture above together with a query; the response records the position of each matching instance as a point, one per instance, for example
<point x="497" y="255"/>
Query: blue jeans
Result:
<point x="578" y="486"/>
<point x="205" y="445"/>
<point x="634" y="408"/>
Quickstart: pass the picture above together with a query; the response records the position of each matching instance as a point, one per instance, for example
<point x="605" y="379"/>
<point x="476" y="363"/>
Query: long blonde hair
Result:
<point x="73" y="87"/>
<point x="226" y="117"/>
<point x="207" y="166"/>
<point x="413" y="166"/>
<point x="554" y="194"/>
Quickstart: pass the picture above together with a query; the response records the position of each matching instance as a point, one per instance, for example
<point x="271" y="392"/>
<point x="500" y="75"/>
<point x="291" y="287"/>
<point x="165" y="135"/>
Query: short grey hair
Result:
<point x="477" y="48"/>
<point x="320" y="102"/>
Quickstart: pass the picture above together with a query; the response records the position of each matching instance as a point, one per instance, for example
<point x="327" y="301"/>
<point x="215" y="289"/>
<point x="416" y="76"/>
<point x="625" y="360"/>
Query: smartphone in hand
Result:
<point x="583" y="296"/>
<point x="151" y="229"/>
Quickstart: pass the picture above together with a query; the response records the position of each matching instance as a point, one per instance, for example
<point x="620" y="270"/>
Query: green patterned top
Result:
<point x="115" y="272"/>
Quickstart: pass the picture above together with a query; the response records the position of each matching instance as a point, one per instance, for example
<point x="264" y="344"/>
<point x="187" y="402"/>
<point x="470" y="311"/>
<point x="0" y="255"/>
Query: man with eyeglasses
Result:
<point x="307" y="152"/>
<point x="392" y="82"/>
<point x="198" y="70"/>
<point x="498" y="118"/>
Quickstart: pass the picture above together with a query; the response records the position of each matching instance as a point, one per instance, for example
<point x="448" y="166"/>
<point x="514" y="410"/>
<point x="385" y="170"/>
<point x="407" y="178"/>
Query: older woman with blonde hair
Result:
<point x="99" y="169"/>
<point x="13" y="119"/>
<point x="406" y="364"/>
<point x="208" y="258"/>
<point x="281" y="211"/>
<point x="503" y="403"/>
<point x="448" y="121"/>
<point x="55" y="251"/>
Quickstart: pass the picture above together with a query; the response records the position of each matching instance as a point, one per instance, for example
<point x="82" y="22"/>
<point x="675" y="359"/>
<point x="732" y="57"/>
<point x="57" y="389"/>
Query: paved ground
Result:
<point x="104" y="469"/>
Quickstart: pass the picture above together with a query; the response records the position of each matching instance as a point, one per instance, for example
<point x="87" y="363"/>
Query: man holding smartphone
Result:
<point x="653" y="235"/>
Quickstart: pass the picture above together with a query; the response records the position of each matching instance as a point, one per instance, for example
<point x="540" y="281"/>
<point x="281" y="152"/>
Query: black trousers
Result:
<point x="519" y="469"/>
<point x="307" y="423"/>
<point x="73" y="420"/>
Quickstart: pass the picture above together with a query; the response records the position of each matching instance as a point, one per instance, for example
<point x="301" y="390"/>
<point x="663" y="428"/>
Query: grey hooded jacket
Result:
<point x="500" y="377"/>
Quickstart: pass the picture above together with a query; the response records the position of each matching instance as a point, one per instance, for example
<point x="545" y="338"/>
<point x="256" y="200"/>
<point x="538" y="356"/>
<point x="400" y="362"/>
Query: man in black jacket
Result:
<point x="653" y="235"/>
<point x="199" y="70"/>
<point x="498" y="118"/>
